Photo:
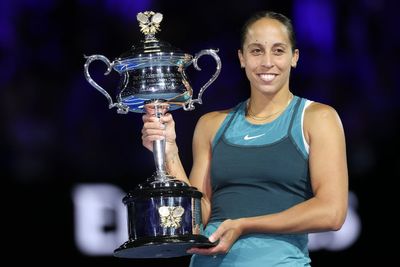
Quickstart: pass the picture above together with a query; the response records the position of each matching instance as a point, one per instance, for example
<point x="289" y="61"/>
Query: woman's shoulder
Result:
<point x="317" y="110"/>
<point x="214" y="118"/>
<point x="216" y="115"/>
<point x="318" y="116"/>
<point x="210" y="122"/>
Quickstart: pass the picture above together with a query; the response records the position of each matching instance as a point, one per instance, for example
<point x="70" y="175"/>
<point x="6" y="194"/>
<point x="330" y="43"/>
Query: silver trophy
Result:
<point x="164" y="214"/>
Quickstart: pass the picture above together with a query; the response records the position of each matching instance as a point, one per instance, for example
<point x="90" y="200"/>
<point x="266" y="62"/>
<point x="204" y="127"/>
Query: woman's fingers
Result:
<point x="158" y="129"/>
<point x="154" y="134"/>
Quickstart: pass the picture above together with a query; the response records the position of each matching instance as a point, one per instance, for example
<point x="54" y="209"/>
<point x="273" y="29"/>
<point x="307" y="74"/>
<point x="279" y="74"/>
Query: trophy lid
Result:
<point x="151" y="51"/>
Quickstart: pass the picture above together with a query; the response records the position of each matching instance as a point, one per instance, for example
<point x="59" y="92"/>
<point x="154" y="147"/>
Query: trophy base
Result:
<point x="161" y="247"/>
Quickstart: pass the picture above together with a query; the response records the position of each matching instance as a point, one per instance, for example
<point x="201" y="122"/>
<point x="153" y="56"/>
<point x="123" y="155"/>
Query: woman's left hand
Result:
<point x="226" y="234"/>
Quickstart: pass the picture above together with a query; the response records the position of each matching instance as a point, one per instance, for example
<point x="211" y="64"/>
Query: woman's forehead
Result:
<point x="267" y="31"/>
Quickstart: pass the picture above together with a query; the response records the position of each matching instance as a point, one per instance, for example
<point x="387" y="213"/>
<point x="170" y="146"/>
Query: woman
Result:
<point x="271" y="169"/>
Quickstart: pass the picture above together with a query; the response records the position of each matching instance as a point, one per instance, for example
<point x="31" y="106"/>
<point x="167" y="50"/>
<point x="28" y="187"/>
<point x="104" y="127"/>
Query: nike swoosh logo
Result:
<point x="247" y="137"/>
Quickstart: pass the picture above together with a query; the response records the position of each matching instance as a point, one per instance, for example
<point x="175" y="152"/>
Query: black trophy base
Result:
<point x="161" y="247"/>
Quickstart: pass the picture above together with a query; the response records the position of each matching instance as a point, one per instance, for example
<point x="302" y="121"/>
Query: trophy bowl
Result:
<point x="164" y="213"/>
<point x="152" y="70"/>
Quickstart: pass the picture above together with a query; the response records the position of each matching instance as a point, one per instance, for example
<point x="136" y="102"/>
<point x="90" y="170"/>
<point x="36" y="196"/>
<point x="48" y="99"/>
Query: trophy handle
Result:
<point x="122" y="109"/>
<point x="213" y="53"/>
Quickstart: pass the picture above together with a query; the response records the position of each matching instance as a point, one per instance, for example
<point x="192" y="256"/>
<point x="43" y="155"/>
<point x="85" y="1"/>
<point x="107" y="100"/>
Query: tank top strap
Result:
<point x="235" y="112"/>
<point x="294" y="114"/>
<point x="232" y="115"/>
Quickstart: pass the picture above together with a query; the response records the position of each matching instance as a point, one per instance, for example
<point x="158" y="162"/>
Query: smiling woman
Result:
<point x="271" y="169"/>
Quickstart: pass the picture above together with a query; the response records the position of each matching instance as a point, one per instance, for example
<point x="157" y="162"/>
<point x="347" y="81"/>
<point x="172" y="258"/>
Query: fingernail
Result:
<point x="211" y="238"/>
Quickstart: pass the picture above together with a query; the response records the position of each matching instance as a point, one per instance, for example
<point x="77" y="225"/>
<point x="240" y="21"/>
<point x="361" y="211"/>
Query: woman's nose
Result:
<point x="267" y="61"/>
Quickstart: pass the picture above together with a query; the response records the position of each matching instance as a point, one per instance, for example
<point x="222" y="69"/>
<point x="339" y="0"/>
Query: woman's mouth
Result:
<point x="267" y="77"/>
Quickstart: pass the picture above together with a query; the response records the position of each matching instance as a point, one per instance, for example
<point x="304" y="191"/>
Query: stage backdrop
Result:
<point x="69" y="160"/>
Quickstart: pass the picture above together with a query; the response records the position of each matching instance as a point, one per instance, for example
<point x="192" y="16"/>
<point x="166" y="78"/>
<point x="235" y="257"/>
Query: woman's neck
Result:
<point x="264" y="106"/>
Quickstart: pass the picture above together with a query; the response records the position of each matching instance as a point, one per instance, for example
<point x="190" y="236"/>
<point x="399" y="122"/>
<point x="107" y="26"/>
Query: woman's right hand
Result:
<point x="158" y="129"/>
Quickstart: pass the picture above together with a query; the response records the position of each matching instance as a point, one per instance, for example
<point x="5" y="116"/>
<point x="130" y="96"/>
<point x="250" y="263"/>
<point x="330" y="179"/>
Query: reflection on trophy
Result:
<point x="164" y="214"/>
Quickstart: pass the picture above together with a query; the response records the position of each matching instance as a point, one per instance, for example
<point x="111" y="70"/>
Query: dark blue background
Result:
<point x="57" y="130"/>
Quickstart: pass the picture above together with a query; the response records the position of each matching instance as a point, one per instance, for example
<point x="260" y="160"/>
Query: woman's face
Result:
<point x="267" y="56"/>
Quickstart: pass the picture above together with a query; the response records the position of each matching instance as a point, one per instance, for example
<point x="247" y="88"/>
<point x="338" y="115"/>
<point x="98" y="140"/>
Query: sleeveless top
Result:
<point x="259" y="169"/>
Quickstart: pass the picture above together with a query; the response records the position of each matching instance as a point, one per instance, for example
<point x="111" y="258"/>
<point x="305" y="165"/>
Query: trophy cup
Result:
<point x="164" y="213"/>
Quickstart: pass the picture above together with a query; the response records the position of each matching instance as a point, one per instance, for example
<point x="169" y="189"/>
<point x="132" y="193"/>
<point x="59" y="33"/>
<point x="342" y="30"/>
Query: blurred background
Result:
<point x="67" y="160"/>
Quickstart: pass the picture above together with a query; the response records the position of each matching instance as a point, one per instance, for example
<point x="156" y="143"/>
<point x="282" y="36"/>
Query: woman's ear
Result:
<point x="241" y="59"/>
<point x="295" y="58"/>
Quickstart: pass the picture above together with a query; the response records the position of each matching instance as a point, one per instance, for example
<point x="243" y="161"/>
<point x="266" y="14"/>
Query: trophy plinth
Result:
<point x="164" y="213"/>
<point x="164" y="220"/>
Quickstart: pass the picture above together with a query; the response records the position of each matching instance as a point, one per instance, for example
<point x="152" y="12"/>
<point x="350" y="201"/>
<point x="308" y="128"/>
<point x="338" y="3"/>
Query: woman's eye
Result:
<point x="256" y="51"/>
<point x="279" y="51"/>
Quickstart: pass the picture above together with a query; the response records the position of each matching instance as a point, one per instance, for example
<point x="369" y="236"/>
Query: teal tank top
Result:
<point x="259" y="169"/>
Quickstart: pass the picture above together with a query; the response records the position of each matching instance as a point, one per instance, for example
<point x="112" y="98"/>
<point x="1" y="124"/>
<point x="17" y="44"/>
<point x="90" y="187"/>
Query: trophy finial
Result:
<point x="149" y="22"/>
